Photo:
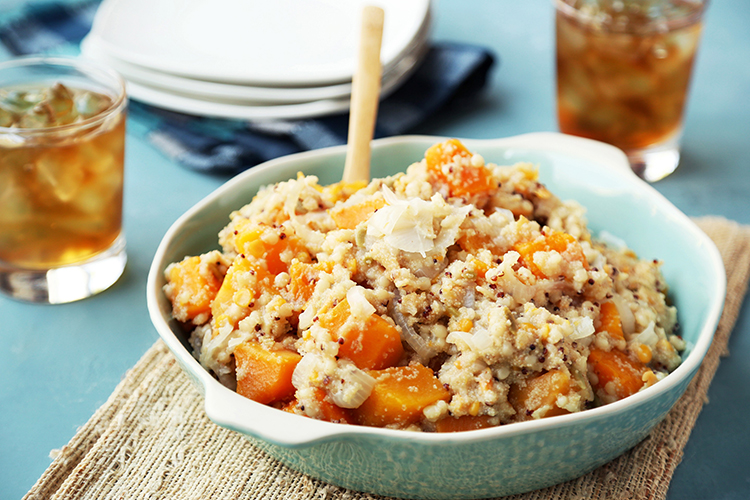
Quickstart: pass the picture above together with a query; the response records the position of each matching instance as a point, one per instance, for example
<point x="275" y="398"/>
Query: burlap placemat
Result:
<point x="151" y="439"/>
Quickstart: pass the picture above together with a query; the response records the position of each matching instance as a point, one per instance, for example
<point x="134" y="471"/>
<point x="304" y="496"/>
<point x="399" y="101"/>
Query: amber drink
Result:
<point x="62" y="138"/>
<point x="623" y="72"/>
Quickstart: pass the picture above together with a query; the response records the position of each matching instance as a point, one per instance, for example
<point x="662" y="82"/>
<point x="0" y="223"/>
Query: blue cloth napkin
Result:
<point x="448" y="75"/>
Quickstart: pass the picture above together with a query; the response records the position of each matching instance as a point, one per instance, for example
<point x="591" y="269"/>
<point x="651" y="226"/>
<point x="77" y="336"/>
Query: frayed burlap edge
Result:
<point x="151" y="439"/>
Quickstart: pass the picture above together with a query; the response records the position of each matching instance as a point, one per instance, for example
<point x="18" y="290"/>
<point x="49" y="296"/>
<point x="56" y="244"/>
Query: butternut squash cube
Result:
<point x="325" y="409"/>
<point x="262" y="375"/>
<point x="462" y="178"/>
<point x="540" y="393"/>
<point x="372" y="344"/>
<point x="243" y="280"/>
<point x="190" y="291"/>
<point x="617" y="374"/>
<point x="557" y="241"/>
<point x="399" y="396"/>
<point x="609" y="321"/>
<point x="303" y="277"/>
<point x="349" y="217"/>
<point x="269" y="245"/>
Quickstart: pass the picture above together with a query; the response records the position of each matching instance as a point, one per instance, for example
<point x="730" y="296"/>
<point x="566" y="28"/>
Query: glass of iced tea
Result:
<point x="62" y="138"/>
<point x="623" y="71"/>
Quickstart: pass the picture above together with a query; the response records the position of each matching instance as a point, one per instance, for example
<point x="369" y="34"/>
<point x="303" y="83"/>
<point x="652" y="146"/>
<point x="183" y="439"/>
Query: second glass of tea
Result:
<point x="62" y="146"/>
<point x="623" y="72"/>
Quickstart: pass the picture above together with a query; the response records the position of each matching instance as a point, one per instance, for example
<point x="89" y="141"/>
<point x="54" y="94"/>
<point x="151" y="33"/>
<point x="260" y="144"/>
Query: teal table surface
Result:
<point x="58" y="364"/>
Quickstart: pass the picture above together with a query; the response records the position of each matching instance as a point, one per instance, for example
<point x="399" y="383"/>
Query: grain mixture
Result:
<point x="454" y="296"/>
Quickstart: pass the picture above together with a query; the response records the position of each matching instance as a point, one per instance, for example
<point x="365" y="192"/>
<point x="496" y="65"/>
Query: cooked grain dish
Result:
<point x="454" y="296"/>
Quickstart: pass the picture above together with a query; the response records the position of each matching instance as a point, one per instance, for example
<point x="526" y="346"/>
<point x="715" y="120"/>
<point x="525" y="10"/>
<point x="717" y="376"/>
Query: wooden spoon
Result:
<point x="365" y="95"/>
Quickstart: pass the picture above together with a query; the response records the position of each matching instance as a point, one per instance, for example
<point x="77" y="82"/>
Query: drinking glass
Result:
<point x="623" y="72"/>
<point x="62" y="138"/>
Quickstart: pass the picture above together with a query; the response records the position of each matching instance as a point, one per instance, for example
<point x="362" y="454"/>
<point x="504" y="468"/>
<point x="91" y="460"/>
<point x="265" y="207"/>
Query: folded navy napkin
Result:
<point x="449" y="73"/>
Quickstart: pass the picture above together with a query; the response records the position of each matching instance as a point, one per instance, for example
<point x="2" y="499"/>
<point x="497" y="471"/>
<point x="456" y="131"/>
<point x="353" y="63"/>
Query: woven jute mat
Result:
<point x="151" y="439"/>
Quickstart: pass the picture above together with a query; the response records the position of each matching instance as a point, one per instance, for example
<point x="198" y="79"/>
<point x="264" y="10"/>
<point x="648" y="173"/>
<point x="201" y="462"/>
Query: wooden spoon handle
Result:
<point x="365" y="95"/>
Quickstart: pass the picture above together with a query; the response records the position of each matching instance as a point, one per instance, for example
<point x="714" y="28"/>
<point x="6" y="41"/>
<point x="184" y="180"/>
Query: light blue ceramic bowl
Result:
<point x="488" y="462"/>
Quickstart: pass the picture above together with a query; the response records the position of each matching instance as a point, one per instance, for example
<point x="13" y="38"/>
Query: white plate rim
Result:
<point x="246" y="94"/>
<point x="212" y="109"/>
<point x="106" y="20"/>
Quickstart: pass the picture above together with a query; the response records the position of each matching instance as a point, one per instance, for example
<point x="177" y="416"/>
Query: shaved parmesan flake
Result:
<point x="409" y="225"/>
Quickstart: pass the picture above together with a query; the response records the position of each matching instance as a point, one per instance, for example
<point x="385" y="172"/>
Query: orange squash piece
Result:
<point x="609" y="320"/>
<point x="527" y="250"/>
<point x="473" y="241"/>
<point x="462" y="178"/>
<point x="540" y="392"/>
<point x="303" y="277"/>
<point x="274" y="252"/>
<point x="328" y="411"/>
<point x="262" y="375"/>
<point x="234" y="289"/>
<point x="373" y="344"/>
<point x="191" y="292"/>
<point x="341" y="191"/>
<point x="555" y="240"/>
<point x="463" y="423"/>
<point x="249" y="242"/>
<point x="247" y="239"/>
<point x="399" y="396"/>
<point x="615" y="367"/>
<point x="349" y="217"/>
<point x="481" y="267"/>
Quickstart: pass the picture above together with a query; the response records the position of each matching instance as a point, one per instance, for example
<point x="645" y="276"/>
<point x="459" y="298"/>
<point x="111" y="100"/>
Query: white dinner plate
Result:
<point x="233" y="110"/>
<point x="91" y="48"/>
<point x="258" y="42"/>
<point x="238" y="109"/>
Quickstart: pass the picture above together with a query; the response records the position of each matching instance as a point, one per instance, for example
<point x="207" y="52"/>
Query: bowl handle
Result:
<point x="228" y="409"/>
<point x="596" y="151"/>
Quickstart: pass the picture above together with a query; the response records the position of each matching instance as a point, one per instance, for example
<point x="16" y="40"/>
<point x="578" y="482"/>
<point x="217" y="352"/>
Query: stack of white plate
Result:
<point x="251" y="59"/>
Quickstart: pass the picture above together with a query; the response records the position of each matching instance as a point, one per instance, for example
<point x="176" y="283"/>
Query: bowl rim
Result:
<point x="228" y="409"/>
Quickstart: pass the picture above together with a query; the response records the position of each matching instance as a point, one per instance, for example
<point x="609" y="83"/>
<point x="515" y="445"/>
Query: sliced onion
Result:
<point x="292" y="199"/>
<point x="352" y="388"/>
<point x="421" y="348"/>
<point x="469" y="299"/>
<point x="478" y="342"/>
<point x="359" y="306"/>
<point x="626" y="315"/>
<point x="424" y="268"/>
<point x="582" y="328"/>
<point x="512" y="285"/>
<point x="306" y="318"/>
<point x="313" y="238"/>
<point x="482" y="340"/>
<point x="502" y="217"/>
<point x="648" y="336"/>
<point x="213" y="349"/>
<point x="461" y="339"/>
<point x="303" y="372"/>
